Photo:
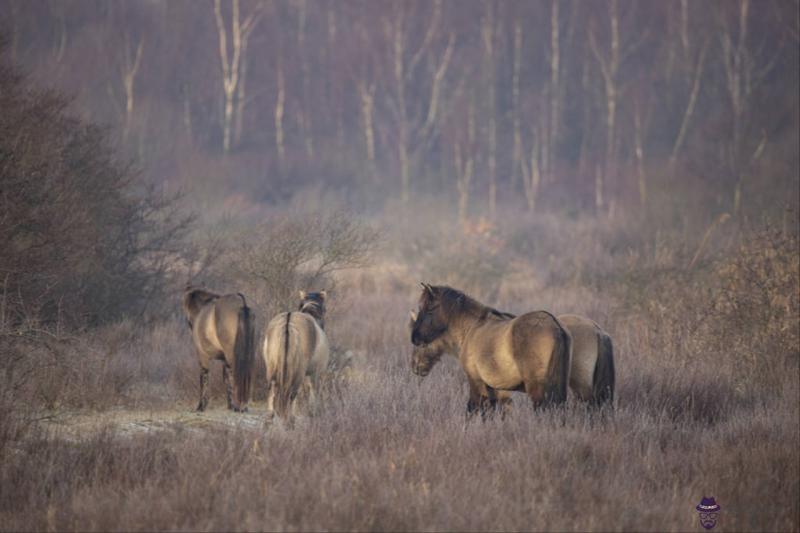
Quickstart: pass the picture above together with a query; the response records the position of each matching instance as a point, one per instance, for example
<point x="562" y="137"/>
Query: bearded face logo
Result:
<point x="709" y="512"/>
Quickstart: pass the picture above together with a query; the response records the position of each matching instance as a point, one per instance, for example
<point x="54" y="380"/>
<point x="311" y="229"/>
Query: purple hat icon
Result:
<point x="708" y="505"/>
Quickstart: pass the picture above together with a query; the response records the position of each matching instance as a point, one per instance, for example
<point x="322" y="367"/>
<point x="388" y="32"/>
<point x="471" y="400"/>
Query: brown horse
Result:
<point x="222" y="328"/>
<point x="498" y="352"/>
<point x="591" y="376"/>
<point x="296" y="354"/>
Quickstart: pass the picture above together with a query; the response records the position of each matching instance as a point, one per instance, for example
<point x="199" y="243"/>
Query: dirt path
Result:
<point x="78" y="425"/>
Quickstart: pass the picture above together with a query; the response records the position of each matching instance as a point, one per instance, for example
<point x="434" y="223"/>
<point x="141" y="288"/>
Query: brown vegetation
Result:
<point x="707" y="403"/>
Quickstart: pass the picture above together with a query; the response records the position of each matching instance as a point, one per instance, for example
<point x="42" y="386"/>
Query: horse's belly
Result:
<point x="500" y="372"/>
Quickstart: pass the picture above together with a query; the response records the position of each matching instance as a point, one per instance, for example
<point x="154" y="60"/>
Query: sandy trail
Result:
<point x="76" y="425"/>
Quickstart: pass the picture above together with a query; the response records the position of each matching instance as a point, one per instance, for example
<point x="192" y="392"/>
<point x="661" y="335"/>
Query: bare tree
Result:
<point x="280" y="101"/>
<point x="415" y="124"/>
<point x="464" y="161"/>
<point x="693" y="61"/>
<point x="233" y="62"/>
<point x="129" y="70"/>
<point x="489" y="35"/>
<point x="745" y="64"/>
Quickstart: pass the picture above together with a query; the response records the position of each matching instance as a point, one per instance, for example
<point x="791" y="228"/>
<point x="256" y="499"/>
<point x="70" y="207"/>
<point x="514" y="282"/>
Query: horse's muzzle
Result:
<point x="420" y="370"/>
<point x="416" y="338"/>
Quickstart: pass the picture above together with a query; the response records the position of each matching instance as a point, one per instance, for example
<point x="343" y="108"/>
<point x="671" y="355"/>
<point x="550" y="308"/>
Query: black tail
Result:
<point x="244" y="354"/>
<point x="558" y="368"/>
<point x="604" y="375"/>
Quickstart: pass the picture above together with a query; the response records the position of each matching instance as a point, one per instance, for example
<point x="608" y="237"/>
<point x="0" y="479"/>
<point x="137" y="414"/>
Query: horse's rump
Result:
<point x="542" y="329"/>
<point x="604" y="373"/>
<point x="291" y="343"/>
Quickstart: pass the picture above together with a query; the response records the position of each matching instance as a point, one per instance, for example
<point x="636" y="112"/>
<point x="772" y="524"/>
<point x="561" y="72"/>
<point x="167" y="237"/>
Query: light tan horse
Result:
<point x="296" y="354"/>
<point x="591" y="376"/>
<point x="222" y="328"/>
<point x="498" y="352"/>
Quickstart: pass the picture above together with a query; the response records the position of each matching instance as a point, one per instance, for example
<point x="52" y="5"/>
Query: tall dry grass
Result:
<point x="707" y="404"/>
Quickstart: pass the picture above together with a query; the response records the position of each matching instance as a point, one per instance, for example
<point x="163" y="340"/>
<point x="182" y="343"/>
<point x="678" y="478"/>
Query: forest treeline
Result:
<point x="562" y="105"/>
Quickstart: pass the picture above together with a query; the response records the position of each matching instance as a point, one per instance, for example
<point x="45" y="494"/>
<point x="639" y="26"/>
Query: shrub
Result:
<point x="82" y="243"/>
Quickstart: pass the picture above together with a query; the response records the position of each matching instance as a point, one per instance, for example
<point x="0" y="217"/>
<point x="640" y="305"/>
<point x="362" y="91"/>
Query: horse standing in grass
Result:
<point x="296" y="353"/>
<point x="498" y="352"/>
<point x="222" y="328"/>
<point x="591" y="376"/>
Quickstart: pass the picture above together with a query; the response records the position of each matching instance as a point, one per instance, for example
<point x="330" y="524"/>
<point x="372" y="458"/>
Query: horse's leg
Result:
<point x="229" y="359"/>
<point x="477" y="395"/>
<point x="488" y="402"/>
<point x="311" y="397"/>
<point x="203" y="389"/>
<point x="226" y="377"/>
<point x="535" y="391"/>
<point x="270" y="401"/>
<point x="504" y="403"/>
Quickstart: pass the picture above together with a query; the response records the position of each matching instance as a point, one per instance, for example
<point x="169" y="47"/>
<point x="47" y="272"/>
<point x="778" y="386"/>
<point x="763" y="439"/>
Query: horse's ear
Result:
<point x="323" y="293"/>
<point x="302" y="295"/>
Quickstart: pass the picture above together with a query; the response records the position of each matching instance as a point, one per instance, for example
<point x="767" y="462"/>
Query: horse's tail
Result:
<point x="559" y="366"/>
<point x="287" y="369"/>
<point x="604" y="375"/>
<point x="244" y="353"/>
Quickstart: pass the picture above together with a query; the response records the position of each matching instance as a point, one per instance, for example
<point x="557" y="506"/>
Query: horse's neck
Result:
<point x="458" y="332"/>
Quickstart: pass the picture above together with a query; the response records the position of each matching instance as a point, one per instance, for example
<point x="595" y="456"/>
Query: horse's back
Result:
<point x="537" y="331"/>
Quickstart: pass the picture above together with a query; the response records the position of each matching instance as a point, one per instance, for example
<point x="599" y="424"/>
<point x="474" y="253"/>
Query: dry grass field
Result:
<point x="97" y="431"/>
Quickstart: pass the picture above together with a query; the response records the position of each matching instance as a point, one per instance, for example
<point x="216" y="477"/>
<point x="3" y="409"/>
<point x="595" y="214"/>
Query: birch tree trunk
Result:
<point x="129" y="71"/>
<point x="232" y="64"/>
<point x="488" y="33"/>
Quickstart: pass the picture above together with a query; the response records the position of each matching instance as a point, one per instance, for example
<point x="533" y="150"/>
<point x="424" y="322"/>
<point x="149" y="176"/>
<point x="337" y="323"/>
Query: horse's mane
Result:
<point x="455" y="301"/>
<point x="194" y="299"/>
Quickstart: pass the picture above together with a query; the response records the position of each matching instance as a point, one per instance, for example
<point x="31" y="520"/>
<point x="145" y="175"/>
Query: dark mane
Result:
<point x="455" y="301"/>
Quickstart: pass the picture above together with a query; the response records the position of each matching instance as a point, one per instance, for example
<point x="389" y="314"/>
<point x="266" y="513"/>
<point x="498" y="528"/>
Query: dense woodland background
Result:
<point x="636" y="162"/>
<point x="565" y="106"/>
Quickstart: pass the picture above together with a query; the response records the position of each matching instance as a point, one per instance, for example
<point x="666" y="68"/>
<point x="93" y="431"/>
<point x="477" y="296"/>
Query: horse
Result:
<point x="296" y="353"/>
<point x="222" y="328"/>
<point x="591" y="376"/>
<point x="498" y="351"/>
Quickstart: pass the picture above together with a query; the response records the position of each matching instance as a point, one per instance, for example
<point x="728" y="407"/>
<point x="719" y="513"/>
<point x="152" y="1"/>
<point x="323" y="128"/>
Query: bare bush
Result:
<point x="273" y="260"/>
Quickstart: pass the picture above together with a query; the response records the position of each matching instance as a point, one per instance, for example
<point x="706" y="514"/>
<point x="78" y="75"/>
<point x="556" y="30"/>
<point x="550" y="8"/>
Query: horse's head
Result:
<point x="313" y="303"/>
<point x="431" y="321"/>
<point x="193" y="300"/>
<point x="425" y="356"/>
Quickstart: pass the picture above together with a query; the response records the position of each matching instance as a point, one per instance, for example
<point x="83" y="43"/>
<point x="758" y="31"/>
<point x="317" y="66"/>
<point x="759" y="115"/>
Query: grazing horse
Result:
<point x="296" y="353"/>
<point x="591" y="376"/>
<point x="498" y="352"/>
<point x="222" y="328"/>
